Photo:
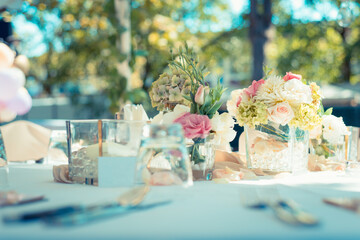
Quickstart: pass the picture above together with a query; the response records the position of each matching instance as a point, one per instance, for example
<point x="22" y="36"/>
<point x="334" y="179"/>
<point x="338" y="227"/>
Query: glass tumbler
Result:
<point x="353" y="147"/>
<point x="163" y="158"/>
<point x="89" y="139"/>
<point x="4" y="169"/>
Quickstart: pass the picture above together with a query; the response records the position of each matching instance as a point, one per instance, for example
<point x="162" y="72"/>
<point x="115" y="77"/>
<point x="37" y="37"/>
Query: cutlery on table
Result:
<point x="133" y="197"/>
<point x="12" y="198"/>
<point x="287" y="211"/>
<point x="352" y="204"/>
<point x="91" y="215"/>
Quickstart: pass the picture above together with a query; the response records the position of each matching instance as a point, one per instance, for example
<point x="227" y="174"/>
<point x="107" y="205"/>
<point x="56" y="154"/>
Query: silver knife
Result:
<point x="91" y="215"/>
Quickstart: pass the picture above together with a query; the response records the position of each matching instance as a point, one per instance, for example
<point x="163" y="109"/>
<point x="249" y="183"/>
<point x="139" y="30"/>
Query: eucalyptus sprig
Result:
<point x="188" y="62"/>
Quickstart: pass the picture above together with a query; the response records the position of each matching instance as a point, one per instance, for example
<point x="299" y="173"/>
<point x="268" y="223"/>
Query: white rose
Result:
<point x="334" y="129"/>
<point x="231" y="104"/>
<point x="281" y="113"/>
<point x="223" y="125"/>
<point x="296" y="92"/>
<point x="169" y="117"/>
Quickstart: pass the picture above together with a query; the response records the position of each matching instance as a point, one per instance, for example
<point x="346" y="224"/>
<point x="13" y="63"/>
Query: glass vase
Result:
<point x="202" y="157"/>
<point x="329" y="152"/>
<point x="90" y="139"/>
<point x="274" y="148"/>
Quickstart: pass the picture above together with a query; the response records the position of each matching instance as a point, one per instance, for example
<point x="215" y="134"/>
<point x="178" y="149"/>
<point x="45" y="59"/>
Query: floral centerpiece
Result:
<point x="327" y="140"/>
<point x="277" y="113"/>
<point x="190" y="101"/>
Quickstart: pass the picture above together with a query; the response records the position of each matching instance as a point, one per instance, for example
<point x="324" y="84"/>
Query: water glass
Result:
<point x="163" y="158"/>
<point x="353" y="146"/>
<point x="57" y="148"/>
<point x="89" y="139"/>
<point x="4" y="169"/>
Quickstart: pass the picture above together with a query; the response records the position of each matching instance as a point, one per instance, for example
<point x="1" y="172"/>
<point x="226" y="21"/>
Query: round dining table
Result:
<point x="206" y="210"/>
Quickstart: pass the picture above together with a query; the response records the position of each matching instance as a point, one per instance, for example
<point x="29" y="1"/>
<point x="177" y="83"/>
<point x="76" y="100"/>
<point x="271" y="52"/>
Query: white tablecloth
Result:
<point x="205" y="211"/>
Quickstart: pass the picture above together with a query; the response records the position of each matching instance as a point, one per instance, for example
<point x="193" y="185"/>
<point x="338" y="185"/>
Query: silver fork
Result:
<point x="285" y="210"/>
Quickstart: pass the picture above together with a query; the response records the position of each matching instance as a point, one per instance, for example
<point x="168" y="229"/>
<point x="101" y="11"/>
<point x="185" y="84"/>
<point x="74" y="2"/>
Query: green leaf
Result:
<point x="328" y="111"/>
<point x="213" y="109"/>
<point x="193" y="108"/>
<point x="207" y="102"/>
<point x="321" y="110"/>
<point x="187" y="97"/>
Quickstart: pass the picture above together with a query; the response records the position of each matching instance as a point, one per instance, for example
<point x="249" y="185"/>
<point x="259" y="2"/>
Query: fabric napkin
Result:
<point x="135" y="113"/>
<point x="61" y="173"/>
<point x="24" y="141"/>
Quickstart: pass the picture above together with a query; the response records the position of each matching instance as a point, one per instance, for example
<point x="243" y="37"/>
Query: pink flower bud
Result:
<point x="200" y="95"/>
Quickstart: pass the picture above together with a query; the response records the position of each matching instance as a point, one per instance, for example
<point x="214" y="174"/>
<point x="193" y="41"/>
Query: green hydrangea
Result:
<point x="306" y="117"/>
<point x="252" y="113"/>
<point x="168" y="90"/>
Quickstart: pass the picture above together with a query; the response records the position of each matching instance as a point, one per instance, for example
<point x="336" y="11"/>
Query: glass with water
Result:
<point x="4" y="169"/>
<point x="163" y="158"/>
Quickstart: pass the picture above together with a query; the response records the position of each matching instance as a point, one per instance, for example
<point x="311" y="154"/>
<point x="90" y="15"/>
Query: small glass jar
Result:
<point x="202" y="157"/>
<point x="163" y="158"/>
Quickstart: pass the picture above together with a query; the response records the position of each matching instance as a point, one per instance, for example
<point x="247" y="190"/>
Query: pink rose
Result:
<point x="290" y="75"/>
<point x="194" y="125"/>
<point x="281" y="113"/>
<point x="251" y="91"/>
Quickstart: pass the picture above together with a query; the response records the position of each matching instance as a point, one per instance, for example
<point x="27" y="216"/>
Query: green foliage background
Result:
<point x="89" y="29"/>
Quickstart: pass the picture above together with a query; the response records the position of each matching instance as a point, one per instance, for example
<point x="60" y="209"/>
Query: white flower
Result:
<point x="316" y="132"/>
<point x="295" y="92"/>
<point x="281" y="113"/>
<point x="232" y="103"/>
<point x="270" y="92"/>
<point x="135" y="112"/>
<point x="169" y="117"/>
<point x="223" y="125"/>
<point x="334" y="129"/>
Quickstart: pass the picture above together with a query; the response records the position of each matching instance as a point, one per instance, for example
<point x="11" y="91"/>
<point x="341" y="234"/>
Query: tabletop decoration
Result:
<point x="327" y="140"/>
<point x="277" y="113"/>
<point x="90" y="139"/>
<point x="190" y="101"/>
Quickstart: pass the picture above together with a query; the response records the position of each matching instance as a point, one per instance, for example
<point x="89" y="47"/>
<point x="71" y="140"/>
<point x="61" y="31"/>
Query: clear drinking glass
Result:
<point x="57" y="148"/>
<point x="353" y="146"/>
<point x="89" y="139"/>
<point x="163" y="158"/>
<point x="4" y="169"/>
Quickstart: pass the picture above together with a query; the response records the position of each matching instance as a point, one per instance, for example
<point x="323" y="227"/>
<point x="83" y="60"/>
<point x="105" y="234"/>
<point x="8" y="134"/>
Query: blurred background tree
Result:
<point x="82" y="37"/>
